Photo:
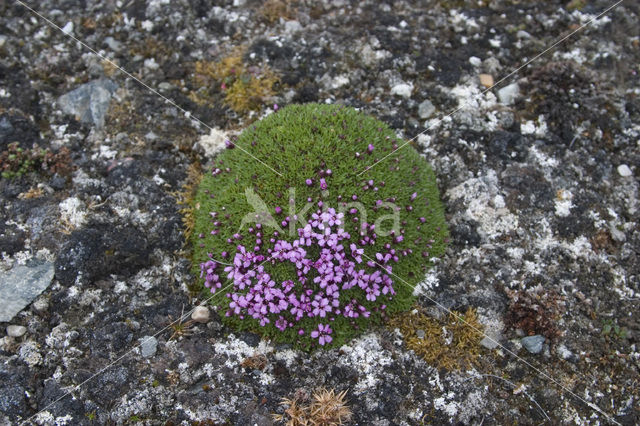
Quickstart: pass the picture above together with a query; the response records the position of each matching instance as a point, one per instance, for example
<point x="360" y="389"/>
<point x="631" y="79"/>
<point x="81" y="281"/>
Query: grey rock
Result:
<point x="165" y="87"/>
<point x="420" y="334"/>
<point x="489" y="343"/>
<point x="148" y="346"/>
<point x="533" y="343"/>
<point x="20" y="285"/>
<point x="16" y="330"/>
<point x="112" y="43"/>
<point x="292" y="27"/>
<point x="89" y="102"/>
<point x="508" y="94"/>
<point x="426" y="109"/>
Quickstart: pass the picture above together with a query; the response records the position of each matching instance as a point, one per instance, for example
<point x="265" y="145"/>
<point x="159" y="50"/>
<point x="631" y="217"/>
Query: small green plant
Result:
<point x="16" y="161"/>
<point x="315" y="244"/>
<point x="613" y="330"/>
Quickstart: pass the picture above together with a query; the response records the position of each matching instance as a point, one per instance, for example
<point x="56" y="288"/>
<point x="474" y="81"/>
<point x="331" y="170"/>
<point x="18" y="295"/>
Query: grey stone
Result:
<point x="533" y="343"/>
<point x="112" y="43"/>
<point x="420" y="334"/>
<point x="489" y="343"/>
<point x="148" y="346"/>
<point x="16" y="330"/>
<point x="508" y="94"/>
<point x="89" y="102"/>
<point x="20" y="285"/>
<point x="426" y="109"/>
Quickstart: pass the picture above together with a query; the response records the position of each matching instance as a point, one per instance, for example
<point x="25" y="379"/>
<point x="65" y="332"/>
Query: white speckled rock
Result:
<point x="200" y="314"/>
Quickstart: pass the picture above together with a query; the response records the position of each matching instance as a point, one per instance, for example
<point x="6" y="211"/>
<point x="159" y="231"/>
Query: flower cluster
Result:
<point x="320" y="280"/>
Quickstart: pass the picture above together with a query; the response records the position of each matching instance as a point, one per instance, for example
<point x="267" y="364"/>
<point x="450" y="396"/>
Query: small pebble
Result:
<point x="489" y="343"/>
<point x="475" y="61"/>
<point x="16" y="330"/>
<point x="420" y="334"/>
<point x="624" y="170"/>
<point x="508" y="94"/>
<point x="200" y="314"/>
<point x="533" y="343"/>
<point x="148" y="346"/>
<point x="426" y="109"/>
<point x="486" y="80"/>
<point x="402" y="89"/>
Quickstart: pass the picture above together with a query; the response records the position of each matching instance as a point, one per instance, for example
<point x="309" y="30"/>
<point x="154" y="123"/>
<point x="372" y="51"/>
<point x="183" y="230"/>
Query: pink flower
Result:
<point x="322" y="334"/>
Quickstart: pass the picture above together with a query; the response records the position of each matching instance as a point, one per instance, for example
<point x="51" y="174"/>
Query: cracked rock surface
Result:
<point x="539" y="177"/>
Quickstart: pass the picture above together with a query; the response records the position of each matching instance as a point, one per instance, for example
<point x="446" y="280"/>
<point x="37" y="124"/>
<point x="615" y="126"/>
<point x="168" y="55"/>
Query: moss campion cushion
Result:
<point x="317" y="253"/>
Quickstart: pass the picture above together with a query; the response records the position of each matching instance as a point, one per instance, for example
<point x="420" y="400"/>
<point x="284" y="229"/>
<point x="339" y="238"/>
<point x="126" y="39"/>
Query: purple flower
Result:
<point x="321" y="306"/>
<point x="322" y="334"/>
<point x="309" y="182"/>
<point x="229" y="144"/>
<point x="258" y="295"/>
<point x="323" y="184"/>
<point x="370" y="148"/>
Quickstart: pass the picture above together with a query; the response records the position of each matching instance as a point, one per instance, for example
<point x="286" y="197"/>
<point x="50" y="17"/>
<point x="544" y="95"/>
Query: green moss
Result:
<point x="298" y="142"/>
<point x="452" y="342"/>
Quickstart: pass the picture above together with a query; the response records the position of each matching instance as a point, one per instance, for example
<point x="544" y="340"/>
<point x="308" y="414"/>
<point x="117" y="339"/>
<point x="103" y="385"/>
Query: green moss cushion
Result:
<point x="311" y="247"/>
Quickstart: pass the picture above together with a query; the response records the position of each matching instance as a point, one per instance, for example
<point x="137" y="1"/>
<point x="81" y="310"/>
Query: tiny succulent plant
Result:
<point x="317" y="243"/>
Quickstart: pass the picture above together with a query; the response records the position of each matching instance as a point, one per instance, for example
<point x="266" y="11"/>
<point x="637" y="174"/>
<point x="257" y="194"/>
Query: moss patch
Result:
<point x="244" y="88"/>
<point x="452" y="342"/>
<point x="319" y="151"/>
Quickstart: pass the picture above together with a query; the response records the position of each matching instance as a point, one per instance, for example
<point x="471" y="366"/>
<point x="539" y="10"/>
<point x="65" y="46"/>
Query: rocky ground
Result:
<point x="539" y="176"/>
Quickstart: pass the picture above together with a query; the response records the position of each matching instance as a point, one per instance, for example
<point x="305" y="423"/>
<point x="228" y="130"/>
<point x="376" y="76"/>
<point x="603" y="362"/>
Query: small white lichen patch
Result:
<point x="30" y="354"/>
<point x="563" y="202"/>
<point x="237" y="349"/>
<point x="538" y="128"/>
<point x="479" y="196"/>
<point x="289" y="356"/>
<point x="368" y="357"/>
<point x="450" y="408"/>
<point x="471" y="101"/>
<point x="429" y="282"/>
<point x="58" y="338"/>
<point x="73" y="212"/>
<point x="213" y="143"/>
